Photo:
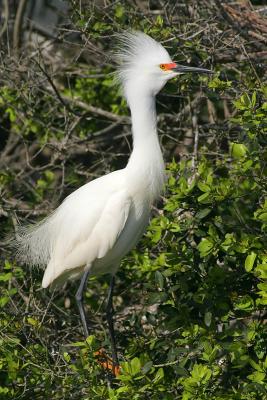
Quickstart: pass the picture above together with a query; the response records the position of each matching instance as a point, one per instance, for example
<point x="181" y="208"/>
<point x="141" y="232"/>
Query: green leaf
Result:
<point x="159" y="279"/>
<point x="208" y="318"/>
<point x="203" y="198"/>
<point x="147" y="367"/>
<point x="205" y="247"/>
<point x="256" y="366"/>
<point x="66" y="356"/>
<point x="50" y="176"/>
<point x="119" y="11"/>
<point x="3" y="301"/>
<point x="90" y="340"/>
<point x="261" y="271"/>
<point x="257" y="376"/>
<point x="238" y="150"/>
<point x="135" y="366"/>
<point x="253" y="99"/>
<point x="5" y="276"/>
<point x="201" y="373"/>
<point x="159" y="21"/>
<point x="203" y="213"/>
<point x="203" y="187"/>
<point x="33" y="321"/>
<point x="244" y="303"/>
<point x="7" y="265"/>
<point x="159" y="375"/>
<point x="249" y="262"/>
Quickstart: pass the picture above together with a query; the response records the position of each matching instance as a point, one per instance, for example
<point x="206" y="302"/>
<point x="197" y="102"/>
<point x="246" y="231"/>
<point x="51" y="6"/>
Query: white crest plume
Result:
<point x="135" y="52"/>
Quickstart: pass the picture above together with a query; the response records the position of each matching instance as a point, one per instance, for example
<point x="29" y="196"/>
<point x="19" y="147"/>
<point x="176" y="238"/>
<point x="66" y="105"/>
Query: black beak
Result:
<point x="182" y="69"/>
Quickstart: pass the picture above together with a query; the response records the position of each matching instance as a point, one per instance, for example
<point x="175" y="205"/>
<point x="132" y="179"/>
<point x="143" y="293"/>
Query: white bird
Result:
<point x="99" y="223"/>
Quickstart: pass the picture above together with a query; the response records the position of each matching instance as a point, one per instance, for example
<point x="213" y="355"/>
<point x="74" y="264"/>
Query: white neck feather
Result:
<point x="145" y="165"/>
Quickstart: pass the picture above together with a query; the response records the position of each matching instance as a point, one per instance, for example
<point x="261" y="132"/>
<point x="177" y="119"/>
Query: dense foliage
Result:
<point x="190" y="299"/>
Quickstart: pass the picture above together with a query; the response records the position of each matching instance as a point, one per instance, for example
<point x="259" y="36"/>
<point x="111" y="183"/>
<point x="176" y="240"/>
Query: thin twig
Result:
<point x="17" y="34"/>
<point x="66" y="101"/>
<point x="6" y="16"/>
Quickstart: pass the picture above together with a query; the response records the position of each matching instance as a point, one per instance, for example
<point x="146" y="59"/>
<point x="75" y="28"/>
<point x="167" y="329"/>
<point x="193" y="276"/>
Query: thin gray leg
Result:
<point x="109" y="314"/>
<point x="79" y="300"/>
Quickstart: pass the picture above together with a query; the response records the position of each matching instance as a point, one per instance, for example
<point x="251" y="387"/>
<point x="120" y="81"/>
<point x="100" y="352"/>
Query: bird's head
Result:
<point x="145" y="65"/>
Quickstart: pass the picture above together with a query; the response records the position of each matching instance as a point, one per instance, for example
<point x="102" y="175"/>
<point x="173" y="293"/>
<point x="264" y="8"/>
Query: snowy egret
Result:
<point x="99" y="223"/>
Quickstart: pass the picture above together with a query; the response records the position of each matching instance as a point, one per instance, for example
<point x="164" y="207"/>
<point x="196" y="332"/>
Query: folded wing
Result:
<point x="86" y="236"/>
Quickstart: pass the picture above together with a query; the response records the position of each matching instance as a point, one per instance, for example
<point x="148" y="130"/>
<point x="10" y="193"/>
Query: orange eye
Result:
<point x="163" y="67"/>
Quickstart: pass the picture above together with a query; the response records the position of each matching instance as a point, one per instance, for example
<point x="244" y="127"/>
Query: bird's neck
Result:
<point x="144" y="121"/>
<point x="146" y="162"/>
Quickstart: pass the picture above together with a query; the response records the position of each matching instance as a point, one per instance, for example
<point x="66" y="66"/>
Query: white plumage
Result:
<point x="100" y="222"/>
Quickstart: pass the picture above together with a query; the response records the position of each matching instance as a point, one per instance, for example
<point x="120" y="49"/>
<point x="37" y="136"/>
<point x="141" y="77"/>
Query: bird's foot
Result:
<point x="106" y="362"/>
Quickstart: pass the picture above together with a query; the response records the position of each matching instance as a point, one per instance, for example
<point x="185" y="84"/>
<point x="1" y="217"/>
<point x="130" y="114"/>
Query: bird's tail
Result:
<point x="33" y="243"/>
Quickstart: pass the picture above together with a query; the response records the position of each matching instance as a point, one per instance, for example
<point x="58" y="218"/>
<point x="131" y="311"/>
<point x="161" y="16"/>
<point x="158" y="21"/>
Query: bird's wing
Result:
<point x="111" y="223"/>
<point x="86" y="236"/>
